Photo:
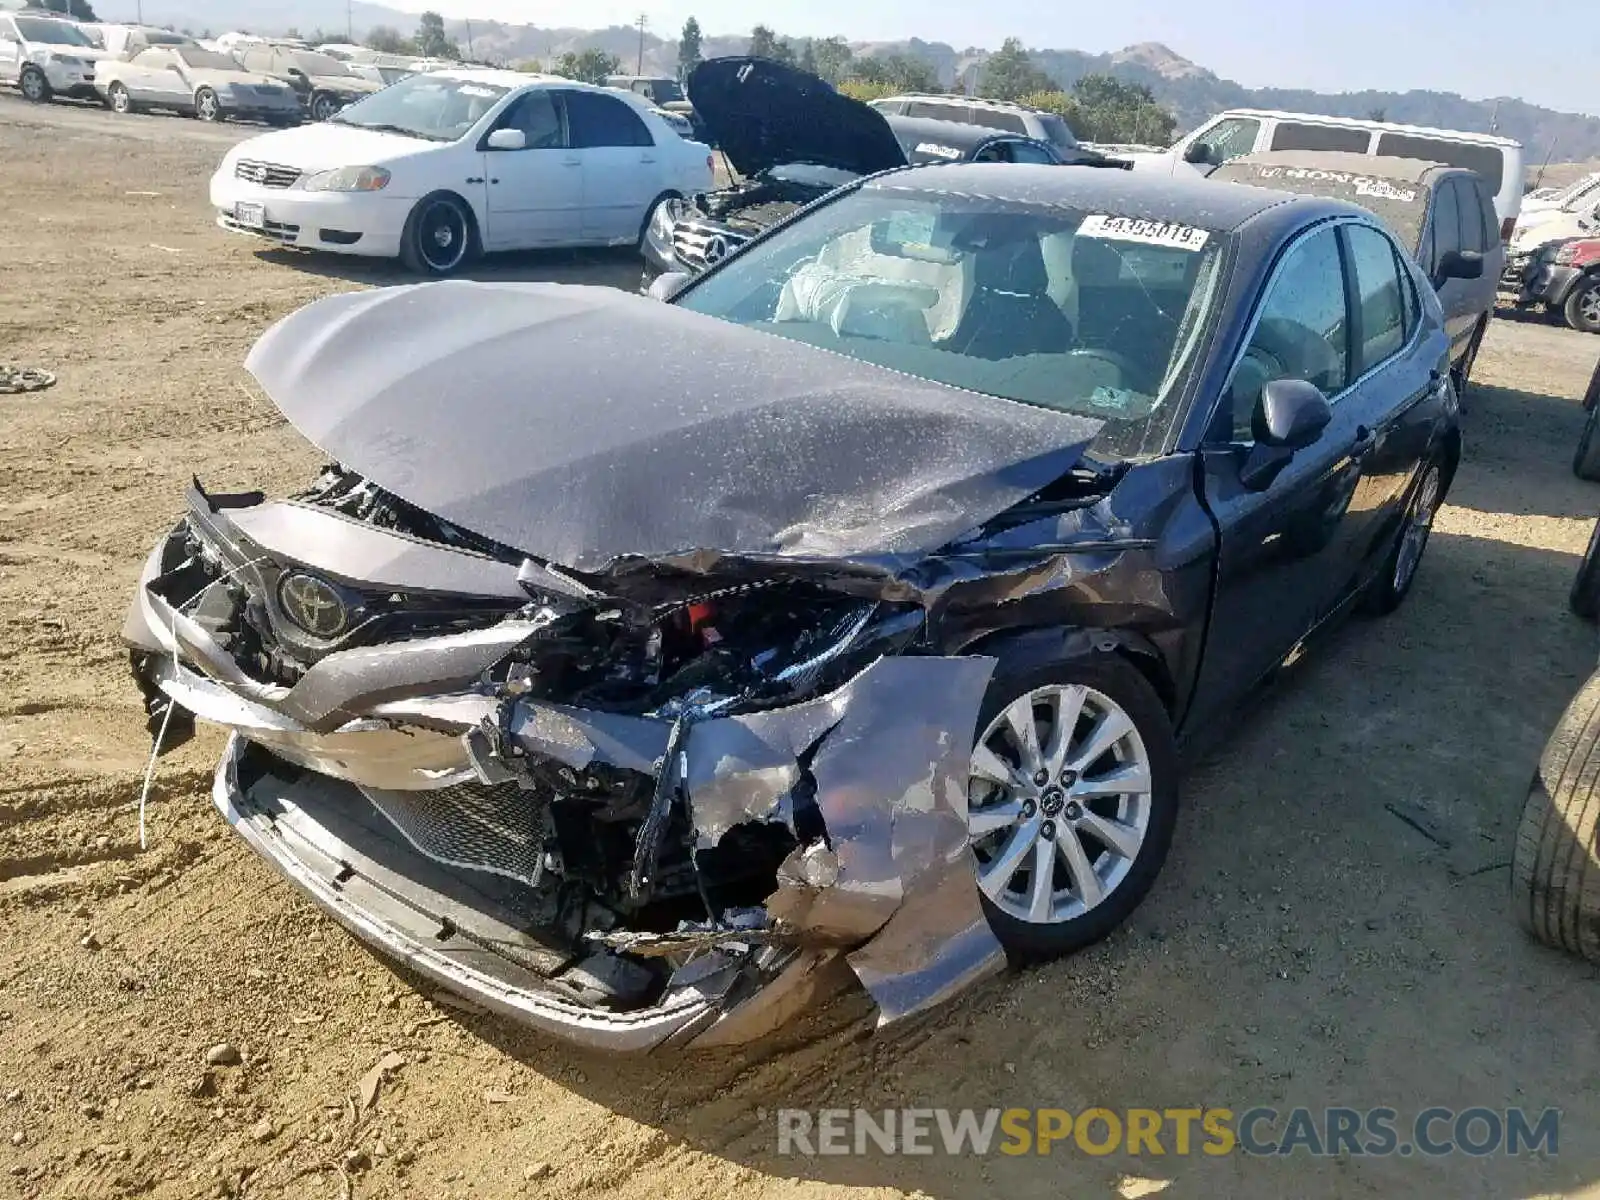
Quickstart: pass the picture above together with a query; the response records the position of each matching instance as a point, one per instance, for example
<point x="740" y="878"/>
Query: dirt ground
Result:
<point x="1305" y="946"/>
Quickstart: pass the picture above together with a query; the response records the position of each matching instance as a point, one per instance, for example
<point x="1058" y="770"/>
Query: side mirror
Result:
<point x="1459" y="264"/>
<point x="507" y="139"/>
<point x="1197" y="153"/>
<point x="667" y="285"/>
<point x="1290" y="415"/>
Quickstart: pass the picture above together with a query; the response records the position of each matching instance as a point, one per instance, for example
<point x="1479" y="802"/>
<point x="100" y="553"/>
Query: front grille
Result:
<point x="276" y="230"/>
<point x="265" y="174"/>
<point x="500" y="829"/>
<point x="701" y="244"/>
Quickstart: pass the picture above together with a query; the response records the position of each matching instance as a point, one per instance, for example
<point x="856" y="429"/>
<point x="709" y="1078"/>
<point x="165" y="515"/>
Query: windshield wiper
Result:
<point x="382" y="127"/>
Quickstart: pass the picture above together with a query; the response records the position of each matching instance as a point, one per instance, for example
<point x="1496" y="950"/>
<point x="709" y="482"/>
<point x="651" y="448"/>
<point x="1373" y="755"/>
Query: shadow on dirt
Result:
<point x="1524" y="442"/>
<point x="619" y="268"/>
<point x="1339" y="874"/>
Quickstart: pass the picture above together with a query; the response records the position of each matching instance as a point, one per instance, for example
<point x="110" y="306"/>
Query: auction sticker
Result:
<point x="1148" y="233"/>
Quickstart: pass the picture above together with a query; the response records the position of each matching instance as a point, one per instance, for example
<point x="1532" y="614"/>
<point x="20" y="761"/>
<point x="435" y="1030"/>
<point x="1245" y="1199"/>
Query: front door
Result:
<point x="10" y="51"/>
<point x="621" y="170"/>
<point x="1283" y="550"/>
<point x="1228" y="139"/>
<point x="1446" y="234"/>
<point x="535" y="195"/>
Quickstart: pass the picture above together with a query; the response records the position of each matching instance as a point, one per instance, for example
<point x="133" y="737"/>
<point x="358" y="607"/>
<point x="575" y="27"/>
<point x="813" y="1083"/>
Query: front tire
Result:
<point x="323" y="106"/>
<point x="1072" y="799"/>
<point x="1393" y="584"/>
<point x="1586" y="458"/>
<point x="34" y="85"/>
<point x="440" y="237"/>
<point x="206" y="105"/>
<point x="1555" y="872"/>
<point x="1582" y="309"/>
<point x="118" y="100"/>
<point x="1584" y="599"/>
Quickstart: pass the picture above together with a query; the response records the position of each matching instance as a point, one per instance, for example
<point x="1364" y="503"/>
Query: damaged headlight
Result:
<point x="667" y="214"/>
<point x="347" y="179"/>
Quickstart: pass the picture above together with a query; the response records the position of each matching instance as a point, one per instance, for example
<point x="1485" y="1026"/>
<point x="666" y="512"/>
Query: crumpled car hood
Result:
<point x="762" y="113"/>
<point x="583" y="425"/>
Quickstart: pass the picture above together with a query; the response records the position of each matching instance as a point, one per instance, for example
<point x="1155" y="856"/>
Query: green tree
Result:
<point x="898" y="72"/>
<point x="1009" y="73"/>
<point x="832" y="57"/>
<point x="78" y="10"/>
<point x="1114" y="110"/>
<point x="431" y="39"/>
<point x="763" y="42"/>
<point x="688" y="48"/>
<point x="591" y="66"/>
<point x="387" y="40"/>
<point x="808" y="56"/>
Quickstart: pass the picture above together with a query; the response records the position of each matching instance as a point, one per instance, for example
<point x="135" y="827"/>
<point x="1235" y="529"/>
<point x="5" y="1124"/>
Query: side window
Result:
<point x="1487" y="161"/>
<point x="538" y="116"/>
<point x="1471" y="214"/>
<point x="1491" y="219"/>
<point x="1408" y="294"/>
<point x="1380" y="326"/>
<point x="259" y="61"/>
<point x="1229" y="139"/>
<point x="940" y="112"/>
<point x="994" y="152"/>
<point x="1301" y="330"/>
<point x="1010" y="122"/>
<point x="1296" y="135"/>
<point x="1446" y="223"/>
<point x="595" y="120"/>
<point x="1031" y="152"/>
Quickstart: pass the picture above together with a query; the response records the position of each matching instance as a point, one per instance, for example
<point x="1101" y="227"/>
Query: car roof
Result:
<point x="1374" y="166"/>
<point x="970" y="102"/>
<point x="1142" y="196"/>
<point x="1454" y="135"/>
<point x="501" y="77"/>
<point x="958" y="135"/>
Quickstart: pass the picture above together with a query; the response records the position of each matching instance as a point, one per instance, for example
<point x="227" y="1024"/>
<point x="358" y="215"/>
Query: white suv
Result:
<point x="991" y="114"/>
<point x="47" y="57"/>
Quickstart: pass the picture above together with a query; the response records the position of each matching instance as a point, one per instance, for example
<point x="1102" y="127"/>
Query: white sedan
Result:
<point x="442" y="166"/>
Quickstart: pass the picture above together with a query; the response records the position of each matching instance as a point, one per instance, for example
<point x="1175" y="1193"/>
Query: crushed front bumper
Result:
<point x="340" y="782"/>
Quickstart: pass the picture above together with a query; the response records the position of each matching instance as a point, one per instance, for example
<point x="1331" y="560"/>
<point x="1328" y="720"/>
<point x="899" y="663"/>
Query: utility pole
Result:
<point x="638" y="66"/>
<point x="1494" y="117"/>
<point x="469" y="40"/>
<point x="349" y="21"/>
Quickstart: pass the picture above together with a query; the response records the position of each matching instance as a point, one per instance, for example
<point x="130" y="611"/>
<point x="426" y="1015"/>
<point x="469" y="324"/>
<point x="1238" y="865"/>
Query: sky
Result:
<point x="1473" y="47"/>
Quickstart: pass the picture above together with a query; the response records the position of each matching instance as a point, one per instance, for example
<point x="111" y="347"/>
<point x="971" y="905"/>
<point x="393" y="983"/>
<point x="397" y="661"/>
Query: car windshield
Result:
<point x="1056" y="132"/>
<point x="1400" y="204"/>
<point x="318" y="64"/>
<point x="205" y="60"/>
<point x="1089" y="313"/>
<point x="54" y="33"/>
<point x="434" y="107"/>
<point x="665" y="91"/>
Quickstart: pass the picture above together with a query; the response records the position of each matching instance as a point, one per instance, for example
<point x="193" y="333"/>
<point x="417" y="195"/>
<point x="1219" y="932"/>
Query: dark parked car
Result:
<point x="1444" y="216"/>
<point x="1563" y="277"/>
<point x="927" y="142"/>
<point x="637" y="660"/>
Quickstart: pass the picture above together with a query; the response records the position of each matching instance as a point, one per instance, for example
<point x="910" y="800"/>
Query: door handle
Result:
<point x="647" y="158"/>
<point x="1366" y="439"/>
<point x="572" y="162"/>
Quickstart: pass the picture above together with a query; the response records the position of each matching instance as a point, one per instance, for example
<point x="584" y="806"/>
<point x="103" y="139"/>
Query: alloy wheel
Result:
<point x="121" y="102"/>
<point x="206" y="105"/>
<point x="1059" y="802"/>
<point x="442" y="236"/>
<point x="1589" y="306"/>
<point x="322" y="108"/>
<point x="1419" y="524"/>
<point x="34" y="86"/>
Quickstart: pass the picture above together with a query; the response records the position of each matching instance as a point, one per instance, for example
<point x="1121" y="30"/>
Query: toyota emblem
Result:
<point x="313" y="604"/>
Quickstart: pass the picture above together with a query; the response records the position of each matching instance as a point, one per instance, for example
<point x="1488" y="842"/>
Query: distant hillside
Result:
<point x="1189" y="90"/>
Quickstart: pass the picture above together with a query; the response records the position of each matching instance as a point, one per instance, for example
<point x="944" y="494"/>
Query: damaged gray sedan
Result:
<point x="634" y="662"/>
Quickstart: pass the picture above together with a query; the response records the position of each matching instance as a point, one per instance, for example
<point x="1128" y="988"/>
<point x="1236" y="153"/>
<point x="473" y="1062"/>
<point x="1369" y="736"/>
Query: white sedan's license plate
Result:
<point x="252" y="216"/>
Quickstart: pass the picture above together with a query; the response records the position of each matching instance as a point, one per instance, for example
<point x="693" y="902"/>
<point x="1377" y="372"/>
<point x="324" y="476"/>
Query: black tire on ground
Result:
<point x="1584" y="599"/>
<point x="1395" y="578"/>
<point x="322" y="106"/>
<point x="440" y="236"/>
<point x="1117" y="680"/>
<point x="1555" y="873"/>
<point x="34" y="85"/>
<point x="1582" y="309"/>
<point x="1586" y="458"/>
<point x="1591" y="395"/>
<point x="118" y="100"/>
<point x="206" y="105"/>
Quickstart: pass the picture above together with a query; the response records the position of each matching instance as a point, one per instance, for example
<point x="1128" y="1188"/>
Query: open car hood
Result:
<point x="762" y="113"/>
<point x="583" y="425"/>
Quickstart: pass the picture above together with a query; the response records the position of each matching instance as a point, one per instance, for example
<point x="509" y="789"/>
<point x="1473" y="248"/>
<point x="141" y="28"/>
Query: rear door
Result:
<point x="1284" y="552"/>
<point x="10" y="51"/>
<point x="1444" y="237"/>
<point x="622" y="171"/>
<point x="535" y="195"/>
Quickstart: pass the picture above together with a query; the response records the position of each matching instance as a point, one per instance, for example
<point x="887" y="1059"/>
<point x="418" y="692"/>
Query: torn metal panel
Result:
<point x="851" y="458"/>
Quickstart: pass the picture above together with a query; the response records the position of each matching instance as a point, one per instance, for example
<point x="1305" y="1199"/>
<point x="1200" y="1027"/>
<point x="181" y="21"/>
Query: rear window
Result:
<point x="1487" y="161"/>
<point x="1293" y="135"/>
<point x="1010" y="122"/>
<point x="942" y="112"/>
